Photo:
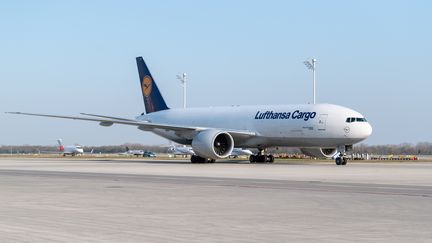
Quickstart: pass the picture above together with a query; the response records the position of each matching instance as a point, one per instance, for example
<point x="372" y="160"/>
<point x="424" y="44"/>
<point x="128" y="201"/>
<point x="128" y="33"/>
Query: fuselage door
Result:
<point x="322" y="122"/>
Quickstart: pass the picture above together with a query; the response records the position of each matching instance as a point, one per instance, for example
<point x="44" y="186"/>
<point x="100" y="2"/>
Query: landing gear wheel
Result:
<point x="270" y="158"/>
<point x="342" y="158"/>
<point x="344" y="161"/>
<point x="261" y="157"/>
<point x="197" y="159"/>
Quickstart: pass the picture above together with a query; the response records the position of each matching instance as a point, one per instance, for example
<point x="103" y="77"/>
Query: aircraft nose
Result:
<point x="367" y="130"/>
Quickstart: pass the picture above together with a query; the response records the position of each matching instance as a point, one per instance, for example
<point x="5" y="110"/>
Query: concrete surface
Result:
<point x="62" y="200"/>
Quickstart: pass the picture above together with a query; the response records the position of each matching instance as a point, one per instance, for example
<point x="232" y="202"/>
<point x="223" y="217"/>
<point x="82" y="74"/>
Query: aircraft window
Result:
<point x="355" y="119"/>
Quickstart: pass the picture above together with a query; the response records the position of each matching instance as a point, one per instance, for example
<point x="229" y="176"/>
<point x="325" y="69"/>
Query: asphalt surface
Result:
<point x="65" y="200"/>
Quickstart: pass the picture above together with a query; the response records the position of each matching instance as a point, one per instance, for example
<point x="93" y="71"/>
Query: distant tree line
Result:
<point x="111" y="149"/>
<point x="423" y="148"/>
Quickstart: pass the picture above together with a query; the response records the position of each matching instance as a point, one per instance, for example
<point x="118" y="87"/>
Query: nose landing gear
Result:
<point x="341" y="158"/>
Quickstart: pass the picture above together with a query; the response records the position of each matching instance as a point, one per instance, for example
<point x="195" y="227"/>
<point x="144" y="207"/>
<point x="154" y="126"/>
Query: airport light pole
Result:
<point x="182" y="78"/>
<point x="311" y="65"/>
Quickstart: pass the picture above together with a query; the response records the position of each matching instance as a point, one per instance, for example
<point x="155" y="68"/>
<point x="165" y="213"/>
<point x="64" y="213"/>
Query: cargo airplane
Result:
<point x="320" y="130"/>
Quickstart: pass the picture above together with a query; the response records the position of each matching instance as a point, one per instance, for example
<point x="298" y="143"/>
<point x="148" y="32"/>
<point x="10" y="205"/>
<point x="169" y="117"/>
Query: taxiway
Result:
<point x="158" y="201"/>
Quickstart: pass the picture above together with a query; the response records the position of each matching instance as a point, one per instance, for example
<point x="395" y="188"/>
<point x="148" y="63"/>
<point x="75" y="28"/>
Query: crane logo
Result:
<point x="147" y="83"/>
<point x="347" y="129"/>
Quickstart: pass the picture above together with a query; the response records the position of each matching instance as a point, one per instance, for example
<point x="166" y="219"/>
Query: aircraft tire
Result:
<point x="252" y="159"/>
<point x="261" y="158"/>
<point x="200" y="160"/>
<point x="270" y="158"/>
<point x="344" y="161"/>
<point x="338" y="161"/>
<point x="196" y="159"/>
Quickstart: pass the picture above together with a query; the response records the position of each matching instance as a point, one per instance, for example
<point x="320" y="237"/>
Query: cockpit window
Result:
<point x="355" y="119"/>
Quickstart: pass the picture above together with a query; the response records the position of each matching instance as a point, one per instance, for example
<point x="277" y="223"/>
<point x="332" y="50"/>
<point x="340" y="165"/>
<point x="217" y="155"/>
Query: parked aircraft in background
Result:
<point x="240" y="152"/>
<point x="181" y="150"/>
<point x="136" y="152"/>
<point x="320" y="130"/>
<point x="186" y="150"/>
<point x="70" y="149"/>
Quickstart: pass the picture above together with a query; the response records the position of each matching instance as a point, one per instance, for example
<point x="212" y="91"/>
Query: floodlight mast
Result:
<point x="311" y="65"/>
<point x="182" y="78"/>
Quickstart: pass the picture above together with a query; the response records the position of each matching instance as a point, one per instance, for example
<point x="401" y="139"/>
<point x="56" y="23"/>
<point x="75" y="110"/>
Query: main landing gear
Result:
<point x="200" y="160"/>
<point x="261" y="157"/>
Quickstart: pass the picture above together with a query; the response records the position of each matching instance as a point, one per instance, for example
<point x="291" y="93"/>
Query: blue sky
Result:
<point x="67" y="57"/>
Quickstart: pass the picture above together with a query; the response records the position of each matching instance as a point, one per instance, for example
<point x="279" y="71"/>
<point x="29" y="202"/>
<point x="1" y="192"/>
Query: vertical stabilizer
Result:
<point x="153" y="100"/>
<point x="61" y="147"/>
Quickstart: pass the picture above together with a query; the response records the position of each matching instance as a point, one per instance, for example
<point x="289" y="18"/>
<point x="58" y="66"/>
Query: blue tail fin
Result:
<point x="153" y="99"/>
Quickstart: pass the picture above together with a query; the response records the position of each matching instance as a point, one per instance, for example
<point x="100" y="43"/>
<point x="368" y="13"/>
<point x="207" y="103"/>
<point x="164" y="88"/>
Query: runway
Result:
<point x="158" y="201"/>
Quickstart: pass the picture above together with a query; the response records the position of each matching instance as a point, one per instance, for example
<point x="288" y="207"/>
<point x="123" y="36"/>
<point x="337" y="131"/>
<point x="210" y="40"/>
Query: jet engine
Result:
<point x="213" y="144"/>
<point x="320" y="152"/>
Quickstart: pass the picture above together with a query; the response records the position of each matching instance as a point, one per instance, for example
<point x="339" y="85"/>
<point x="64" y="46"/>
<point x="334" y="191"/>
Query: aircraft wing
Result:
<point x="188" y="131"/>
<point x="108" y="117"/>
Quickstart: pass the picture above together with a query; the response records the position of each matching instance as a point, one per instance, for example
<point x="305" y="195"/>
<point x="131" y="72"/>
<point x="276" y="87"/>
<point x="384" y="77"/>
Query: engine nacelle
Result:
<point x="213" y="144"/>
<point x="320" y="152"/>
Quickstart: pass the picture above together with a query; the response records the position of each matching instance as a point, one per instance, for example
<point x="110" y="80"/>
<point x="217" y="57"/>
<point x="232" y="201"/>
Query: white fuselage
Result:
<point x="182" y="150"/>
<point x="240" y="152"/>
<point x="189" y="151"/>
<point x="73" y="150"/>
<point x="320" y="125"/>
<point x="135" y="152"/>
